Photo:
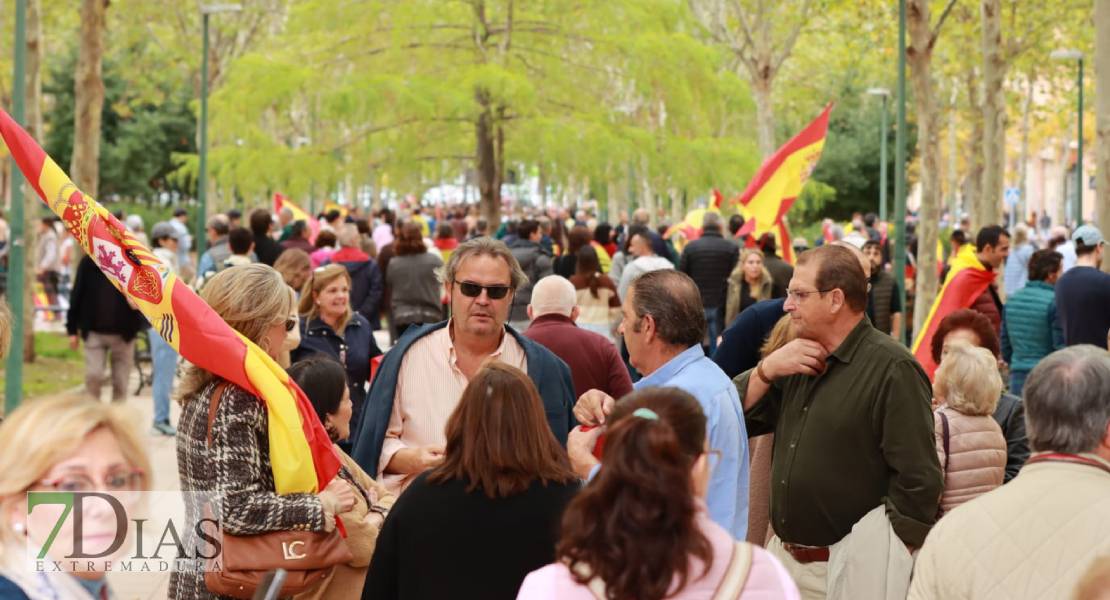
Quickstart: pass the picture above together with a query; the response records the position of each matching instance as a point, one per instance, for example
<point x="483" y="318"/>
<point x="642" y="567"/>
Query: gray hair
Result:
<point x="1067" y="400"/>
<point x="348" y="236"/>
<point x="711" y="221"/>
<point x="553" y="294"/>
<point x="219" y="224"/>
<point x="483" y="246"/>
<point x="672" y="299"/>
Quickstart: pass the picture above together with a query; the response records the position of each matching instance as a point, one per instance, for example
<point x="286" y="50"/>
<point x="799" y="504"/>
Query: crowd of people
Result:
<point x="568" y="408"/>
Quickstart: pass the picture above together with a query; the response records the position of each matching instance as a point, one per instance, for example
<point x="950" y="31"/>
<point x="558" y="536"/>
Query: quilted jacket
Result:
<point x="976" y="459"/>
<point x="1032" y="538"/>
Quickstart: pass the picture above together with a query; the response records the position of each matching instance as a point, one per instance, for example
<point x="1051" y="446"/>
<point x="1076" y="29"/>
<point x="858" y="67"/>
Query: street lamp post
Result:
<point x="1077" y="56"/>
<point x="202" y="150"/>
<point x="885" y="94"/>
<point x="900" y="169"/>
<point x="13" y="387"/>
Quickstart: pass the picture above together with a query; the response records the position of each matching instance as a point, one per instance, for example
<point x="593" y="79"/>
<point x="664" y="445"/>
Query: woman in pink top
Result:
<point x="640" y="530"/>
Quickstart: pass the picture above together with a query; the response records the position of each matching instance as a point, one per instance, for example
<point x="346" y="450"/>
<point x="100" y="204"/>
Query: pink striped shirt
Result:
<point x="429" y="386"/>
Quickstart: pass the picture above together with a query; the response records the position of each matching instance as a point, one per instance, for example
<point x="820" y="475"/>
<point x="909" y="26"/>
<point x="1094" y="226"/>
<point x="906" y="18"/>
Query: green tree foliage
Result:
<point x="140" y="132"/>
<point x="409" y="90"/>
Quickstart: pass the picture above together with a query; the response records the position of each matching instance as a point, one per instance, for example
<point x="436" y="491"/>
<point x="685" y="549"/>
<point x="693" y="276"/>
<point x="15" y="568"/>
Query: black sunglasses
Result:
<point x="290" y="324"/>
<point x="473" y="290"/>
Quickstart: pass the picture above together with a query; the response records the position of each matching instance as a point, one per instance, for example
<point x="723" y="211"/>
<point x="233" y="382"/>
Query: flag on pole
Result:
<point x="780" y="179"/>
<point x="967" y="280"/>
<point x="281" y="202"/>
<point x="302" y="456"/>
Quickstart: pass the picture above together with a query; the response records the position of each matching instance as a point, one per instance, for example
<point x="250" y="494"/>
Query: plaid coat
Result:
<point x="237" y="468"/>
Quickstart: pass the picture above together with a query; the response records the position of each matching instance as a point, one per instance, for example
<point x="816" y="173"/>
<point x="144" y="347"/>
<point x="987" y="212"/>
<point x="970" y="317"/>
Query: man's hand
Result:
<point x="415" y="460"/>
<point x="74" y="342"/>
<point x="799" y="357"/>
<point x="580" y="449"/>
<point x="593" y="407"/>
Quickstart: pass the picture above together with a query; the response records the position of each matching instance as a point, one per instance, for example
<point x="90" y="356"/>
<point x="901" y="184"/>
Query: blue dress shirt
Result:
<point x="692" y="372"/>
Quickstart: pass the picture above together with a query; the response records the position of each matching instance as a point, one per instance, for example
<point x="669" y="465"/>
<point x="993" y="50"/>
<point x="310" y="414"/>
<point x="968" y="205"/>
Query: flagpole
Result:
<point x="13" y="387"/>
<point x="900" y="176"/>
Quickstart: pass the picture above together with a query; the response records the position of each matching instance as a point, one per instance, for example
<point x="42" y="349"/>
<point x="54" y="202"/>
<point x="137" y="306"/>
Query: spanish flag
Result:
<point x="301" y="454"/>
<point x="780" y="179"/>
<point x="967" y="280"/>
<point x="281" y="202"/>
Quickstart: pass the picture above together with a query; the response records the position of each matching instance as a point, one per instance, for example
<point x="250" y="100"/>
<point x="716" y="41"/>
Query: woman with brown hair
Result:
<point x="328" y="326"/>
<point x="475" y="525"/>
<point x="599" y="305"/>
<point x="641" y="528"/>
<point x="228" y="453"/>
<point x="749" y="283"/>
<point x="416" y="295"/>
<point x="295" y="267"/>
<point x="565" y="264"/>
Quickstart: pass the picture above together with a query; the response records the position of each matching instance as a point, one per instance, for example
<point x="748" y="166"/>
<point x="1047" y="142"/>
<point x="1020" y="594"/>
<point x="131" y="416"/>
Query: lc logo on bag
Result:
<point x="292" y="550"/>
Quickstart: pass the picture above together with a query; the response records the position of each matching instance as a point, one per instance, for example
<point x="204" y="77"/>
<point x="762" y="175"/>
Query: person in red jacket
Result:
<point x="593" y="360"/>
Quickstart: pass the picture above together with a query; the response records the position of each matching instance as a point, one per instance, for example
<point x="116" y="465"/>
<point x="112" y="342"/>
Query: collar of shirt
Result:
<point x="671" y="368"/>
<point x="318" y="325"/>
<point x="847" y="349"/>
<point x="452" y="356"/>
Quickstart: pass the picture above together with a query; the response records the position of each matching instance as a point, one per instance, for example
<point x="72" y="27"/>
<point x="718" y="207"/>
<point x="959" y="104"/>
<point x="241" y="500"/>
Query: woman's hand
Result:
<point x="339" y="495"/>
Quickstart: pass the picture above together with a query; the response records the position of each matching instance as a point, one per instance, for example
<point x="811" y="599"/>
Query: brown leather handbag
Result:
<point x="244" y="560"/>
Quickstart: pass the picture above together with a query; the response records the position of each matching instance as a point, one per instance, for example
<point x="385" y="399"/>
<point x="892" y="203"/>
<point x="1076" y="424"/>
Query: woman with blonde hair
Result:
<point x="970" y="446"/>
<point x="328" y="326"/>
<point x="226" y="452"/>
<point x="66" y="445"/>
<point x="749" y="283"/>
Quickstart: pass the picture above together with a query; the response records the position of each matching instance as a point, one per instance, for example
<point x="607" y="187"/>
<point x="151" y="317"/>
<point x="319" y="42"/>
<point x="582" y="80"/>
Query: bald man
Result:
<point x="594" y="361"/>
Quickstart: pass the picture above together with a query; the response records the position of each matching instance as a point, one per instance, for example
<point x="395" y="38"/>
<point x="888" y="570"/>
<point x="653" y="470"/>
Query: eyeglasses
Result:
<point x="473" y="290"/>
<point x="113" y="482"/>
<point x="290" y="324"/>
<point x="800" y="296"/>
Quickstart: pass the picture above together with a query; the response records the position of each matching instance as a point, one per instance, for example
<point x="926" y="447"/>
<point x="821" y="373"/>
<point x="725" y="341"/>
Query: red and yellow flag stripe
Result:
<point x="301" y="453"/>
<point x="967" y="280"/>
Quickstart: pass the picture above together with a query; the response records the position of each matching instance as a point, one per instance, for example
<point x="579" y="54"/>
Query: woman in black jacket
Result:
<point x="325" y="310"/>
<point x="474" y="526"/>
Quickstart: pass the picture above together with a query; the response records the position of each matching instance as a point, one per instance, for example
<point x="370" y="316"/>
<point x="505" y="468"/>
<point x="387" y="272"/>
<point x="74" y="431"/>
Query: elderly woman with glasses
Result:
<point x="65" y="445"/>
<point x="330" y="327"/>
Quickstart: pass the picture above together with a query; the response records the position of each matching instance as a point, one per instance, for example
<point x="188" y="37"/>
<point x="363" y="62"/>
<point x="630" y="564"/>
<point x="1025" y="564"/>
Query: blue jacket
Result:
<point x="550" y="374"/>
<point x="1030" y="329"/>
<point x="367" y="287"/>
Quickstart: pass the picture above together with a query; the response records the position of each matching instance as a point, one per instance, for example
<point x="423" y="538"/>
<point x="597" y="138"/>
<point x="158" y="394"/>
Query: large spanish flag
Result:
<point x="967" y="280"/>
<point x="301" y="453"/>
<point x="780" y="179"/>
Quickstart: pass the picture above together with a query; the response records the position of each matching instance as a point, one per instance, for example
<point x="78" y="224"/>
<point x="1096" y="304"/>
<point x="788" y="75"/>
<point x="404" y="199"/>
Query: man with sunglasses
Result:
<point x="854" y="442"/>
<point x="421" y="379"/>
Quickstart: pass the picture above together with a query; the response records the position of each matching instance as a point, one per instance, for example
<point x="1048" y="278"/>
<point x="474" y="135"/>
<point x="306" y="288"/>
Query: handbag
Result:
<point x="306" y="556"/>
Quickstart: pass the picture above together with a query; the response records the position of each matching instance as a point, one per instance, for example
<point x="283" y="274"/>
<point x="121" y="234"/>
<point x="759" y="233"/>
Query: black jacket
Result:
<point x="709" y="260"/>
<point x="1010" y="416"/>
<point x="266" y="249"/>
<point x="96" y="305"/>
<point x="441" y="541"/>
<point x="780" y="270"/>
<point x="537" y="264"/>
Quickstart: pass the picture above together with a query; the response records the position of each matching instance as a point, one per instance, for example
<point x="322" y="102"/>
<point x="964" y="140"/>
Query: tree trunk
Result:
<point x="973" y="188"/>
<point x="764" y="111"/>
<point x="489" y="188"/>
<point x="647" y="201"/>
<point x="994" y="115"/>
<point x="953" y="174"/>
<point x="1102" y="118"/>
<point x="1023" y="160"/>
<point x="89" y="96"/>
<point x="33" y="122"/>
<point x="919" y="55"/>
